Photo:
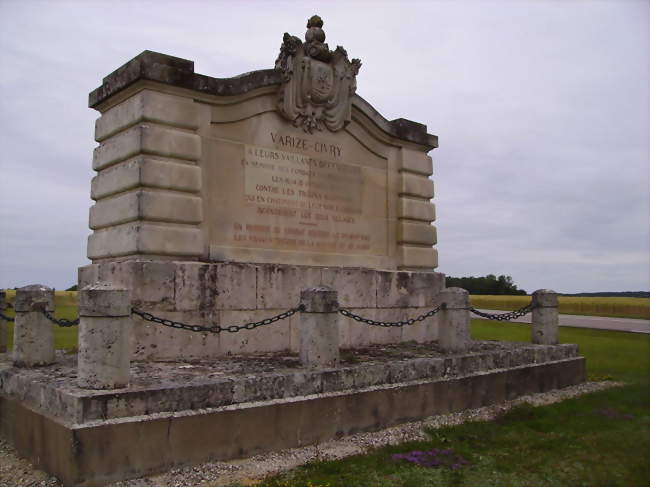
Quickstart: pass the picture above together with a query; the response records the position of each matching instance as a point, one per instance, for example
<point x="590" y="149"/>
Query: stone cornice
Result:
<point x="161" y="68"/>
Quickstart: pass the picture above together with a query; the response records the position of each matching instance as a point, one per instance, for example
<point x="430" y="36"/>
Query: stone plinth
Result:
<point x="236" y="293"/>
<point x="180" y="413"/>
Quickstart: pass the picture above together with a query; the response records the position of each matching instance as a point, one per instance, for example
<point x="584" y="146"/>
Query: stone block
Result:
<point x="416" y="162"/>
<point x="416" y="233"/>
<point x="385" y="335"/>
<point x="357" y="288"/>
<point x="87" y="275"/>
<point x="147" y="139"/>
<point x="420" y="331"/>
<point x="146" y="171"/>
<point x="195" y="286"/>
<point x="34" y="297"/>
<point x="145" y="238"/>
<point x="416" y="185"/>
<point x="279" y="286"/>
<point x="154" y="341"/>
<point x="413" y="209"/>
<point x="236" y="286"/>
<point x="141" y="204"/>
<point x="356" y="334"/>
<point x="104" y="299"/>
<point x="409" y="289"/>
<point x="418" y="257"/>
<point x="271" y="338"/>
<point x="148" y="106"/>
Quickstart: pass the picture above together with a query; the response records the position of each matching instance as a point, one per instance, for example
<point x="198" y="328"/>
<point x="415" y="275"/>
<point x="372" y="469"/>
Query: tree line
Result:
<point x="489" y="284"/>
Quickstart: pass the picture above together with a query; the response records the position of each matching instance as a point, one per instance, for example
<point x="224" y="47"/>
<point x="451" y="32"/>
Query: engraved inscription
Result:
<point x="306" y="202"/>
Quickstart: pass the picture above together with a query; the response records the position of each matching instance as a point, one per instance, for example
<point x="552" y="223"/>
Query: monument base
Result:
<point x="183" y="413"/>
<point x="234" y="293"/>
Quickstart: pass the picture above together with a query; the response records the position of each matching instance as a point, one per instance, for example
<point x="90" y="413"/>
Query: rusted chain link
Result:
<point x="5" y="317"/>
<point x="388" y="324"/>
<point x="215" y="328"/>
<point x="60" y="321"/>
<point x="504" y="316"/>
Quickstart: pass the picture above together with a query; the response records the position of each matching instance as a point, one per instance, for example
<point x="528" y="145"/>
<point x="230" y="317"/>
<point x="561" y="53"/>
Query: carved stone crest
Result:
<point x="318" y="84"/>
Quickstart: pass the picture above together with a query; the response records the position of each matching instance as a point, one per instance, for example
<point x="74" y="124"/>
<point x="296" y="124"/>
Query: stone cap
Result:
<point x="34" y="297"/>
<point x="321" y="299"/>
<point x="175" y="71"/>
<point x="455" y="298"/>
<point x="545" y="298"/>
<point x="104" y="299"/>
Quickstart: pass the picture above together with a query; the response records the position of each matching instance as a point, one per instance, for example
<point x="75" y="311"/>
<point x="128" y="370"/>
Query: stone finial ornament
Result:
<point x="318" y="84"/>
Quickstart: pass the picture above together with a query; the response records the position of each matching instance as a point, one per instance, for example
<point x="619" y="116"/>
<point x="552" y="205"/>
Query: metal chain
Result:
<point x="5" y="317"/>
<point x="388" y="324"/>
<point x="60" y="321"/>
<point x="504" y="316"/>
<point x="215" y="328"/>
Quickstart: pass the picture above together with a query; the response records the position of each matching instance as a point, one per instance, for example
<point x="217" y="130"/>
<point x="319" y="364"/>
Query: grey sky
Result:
<point x="542" y="109"/>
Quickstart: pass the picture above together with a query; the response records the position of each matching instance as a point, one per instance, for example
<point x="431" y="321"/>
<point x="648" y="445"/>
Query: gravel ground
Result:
<point x="17" y="472"/>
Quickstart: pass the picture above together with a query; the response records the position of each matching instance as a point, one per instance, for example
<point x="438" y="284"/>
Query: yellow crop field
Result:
<point x="617" y="307"/>
<point x="61" y="298"/>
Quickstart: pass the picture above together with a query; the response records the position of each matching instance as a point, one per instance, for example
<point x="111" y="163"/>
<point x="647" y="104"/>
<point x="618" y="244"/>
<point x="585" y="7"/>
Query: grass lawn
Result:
<point x="597" y="440"/>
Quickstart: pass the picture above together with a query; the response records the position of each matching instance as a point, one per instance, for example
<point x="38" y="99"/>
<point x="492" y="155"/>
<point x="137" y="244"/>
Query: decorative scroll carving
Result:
<point x="318" y="84"/>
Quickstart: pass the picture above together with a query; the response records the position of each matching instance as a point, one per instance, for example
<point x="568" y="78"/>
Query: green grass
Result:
<point x="598" y="440"/>
<point x="616" y="307"/>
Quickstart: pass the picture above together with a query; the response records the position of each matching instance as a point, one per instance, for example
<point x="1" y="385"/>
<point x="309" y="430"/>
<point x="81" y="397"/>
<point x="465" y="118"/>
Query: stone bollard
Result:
<point x="33" y="331"/>
<point x="545" y="317"/>
<point x="319" y="327"/>
<point x="105" y="331"/>
<point x="3" y="323"/>
<point x="454" y="333"/>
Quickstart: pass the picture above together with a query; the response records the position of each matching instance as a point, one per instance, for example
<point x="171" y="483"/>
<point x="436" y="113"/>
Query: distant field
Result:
<point x="615" y="307"/>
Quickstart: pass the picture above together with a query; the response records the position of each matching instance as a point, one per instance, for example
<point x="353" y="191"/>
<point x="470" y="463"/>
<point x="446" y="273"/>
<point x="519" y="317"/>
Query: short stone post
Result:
<point x="105" y="331"/>
<point x="545" y="329"/>
<point x="454" y="332"/>
<point x="319" y="327"/>
<point x="3" y="323"/>
<point x="33" y="331"/>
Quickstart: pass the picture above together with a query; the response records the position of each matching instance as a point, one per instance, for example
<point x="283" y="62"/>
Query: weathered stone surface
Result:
<point x="104" y="299"/>
<point x="545" y="321"/>
<point x="110" y="427"/>
<point x="416" y="233"/>
<point x="33" y="331"/>
<point x="148" y="106"/>
<point x="144" y="171"/>
<point x="356" y="288"/>
<point x="279" y="286"/>
<point x="454" y="332"/>
<point x="34" y="297"/>
<point x="409" y="289"/>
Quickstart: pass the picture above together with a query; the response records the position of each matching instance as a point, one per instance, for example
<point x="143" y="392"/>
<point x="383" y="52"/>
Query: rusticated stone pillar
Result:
<point x="319" y="331"/>
<point x="454" y="331"/>
<point x="104" y="336"/>
<point x="33" y="332"/>
<point x="545" y="317"/>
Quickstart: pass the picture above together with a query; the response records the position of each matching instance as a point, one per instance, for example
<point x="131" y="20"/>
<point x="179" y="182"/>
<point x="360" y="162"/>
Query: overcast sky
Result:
<point x="542" y="109"/>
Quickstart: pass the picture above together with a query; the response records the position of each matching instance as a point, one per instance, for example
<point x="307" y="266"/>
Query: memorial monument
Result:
<point x="245" y="231"/>
<point x="218" y="200"/>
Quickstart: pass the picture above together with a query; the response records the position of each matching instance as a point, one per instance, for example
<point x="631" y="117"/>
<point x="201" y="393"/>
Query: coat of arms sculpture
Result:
<point x="318" y="84"/>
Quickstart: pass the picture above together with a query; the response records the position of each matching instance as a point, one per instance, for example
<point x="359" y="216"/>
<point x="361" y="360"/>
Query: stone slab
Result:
<point x="97" y="452"/>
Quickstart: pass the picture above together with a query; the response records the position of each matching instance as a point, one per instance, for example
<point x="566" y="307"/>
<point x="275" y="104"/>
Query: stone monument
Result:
<point x="217" y="200"/>
<point x="279" y="197"/>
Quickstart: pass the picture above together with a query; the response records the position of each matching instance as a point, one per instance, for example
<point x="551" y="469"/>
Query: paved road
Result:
<point x="598" y="322"/>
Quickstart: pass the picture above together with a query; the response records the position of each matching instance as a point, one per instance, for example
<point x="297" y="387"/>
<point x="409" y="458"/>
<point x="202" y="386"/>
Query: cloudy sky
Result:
<point x="542" y="109"/>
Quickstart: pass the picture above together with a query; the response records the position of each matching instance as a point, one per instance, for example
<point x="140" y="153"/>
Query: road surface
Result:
<point x="597" y="322"/>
